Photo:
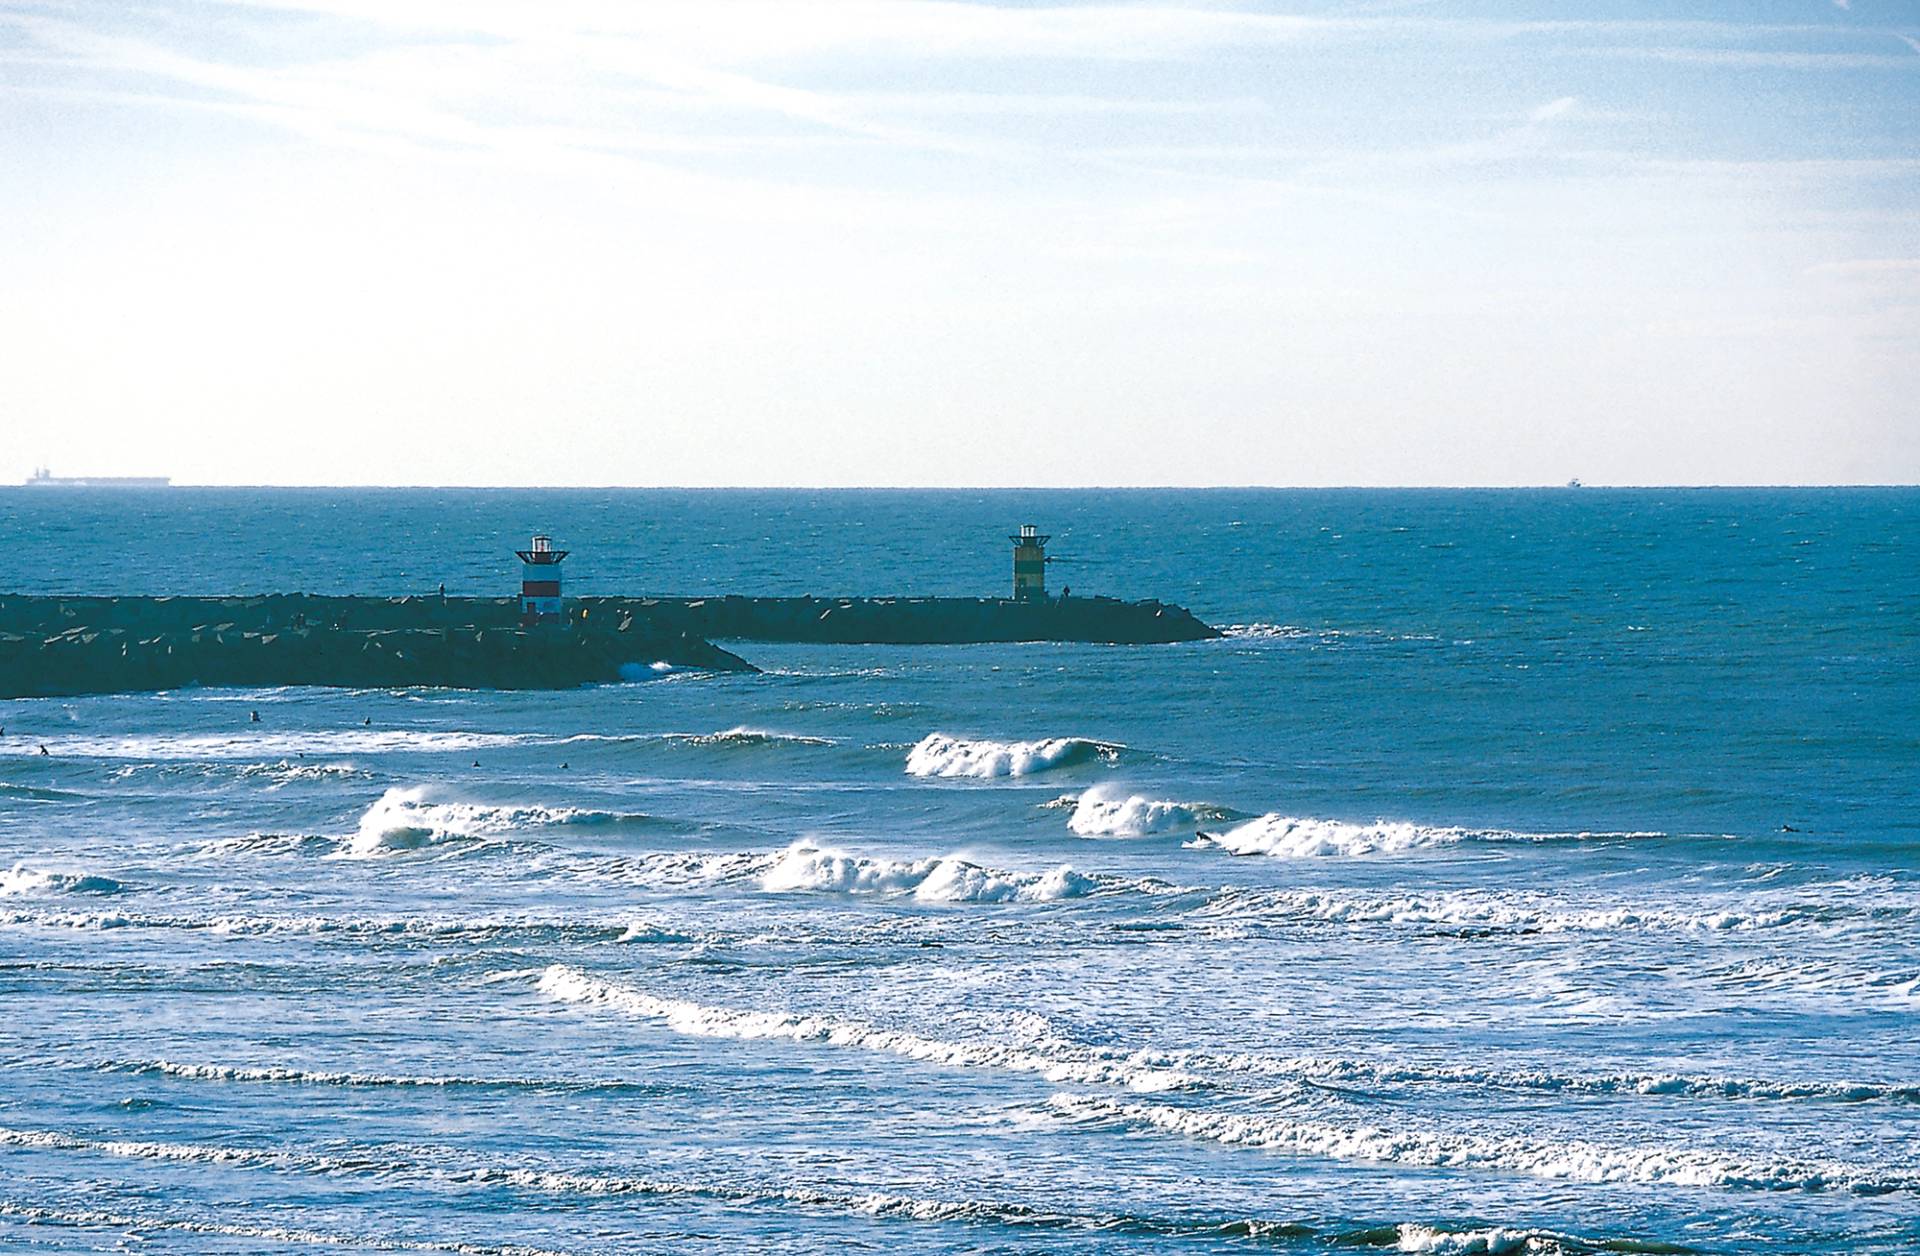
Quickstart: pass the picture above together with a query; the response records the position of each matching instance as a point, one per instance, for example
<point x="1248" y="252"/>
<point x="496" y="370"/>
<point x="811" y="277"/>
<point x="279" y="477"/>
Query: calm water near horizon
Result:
<point x="1562" y="890"/>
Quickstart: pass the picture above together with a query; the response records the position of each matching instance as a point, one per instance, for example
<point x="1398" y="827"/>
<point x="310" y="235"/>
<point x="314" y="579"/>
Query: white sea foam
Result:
<point x="1532" y="912"/>
<point x="939" y="879"/>
<point x="290" y="771"/>
<point x="1100" y="812"/>
<point x="1298" y="837"/>
<point x="277" y="1235"/>
<point x="1565" y="1160"/>
<point x="267" y="1074"/>
<point x="744" y="737"/>
<point x="1824" y="980"/>
<point x="937" y="754"/>
<point x="1281" y="632"/>
<point x="257" y="743"/>
<point x="632" y="672"/>
<point x="370" y="928"/>
<point x="461" y="1171"/>
<point x="1369" y="1074"/>
<point x="1494" y="1241"/>
<point x="1084" y="1066"/>
<point x="22" y="880"/>
<point x="404" y="819"/>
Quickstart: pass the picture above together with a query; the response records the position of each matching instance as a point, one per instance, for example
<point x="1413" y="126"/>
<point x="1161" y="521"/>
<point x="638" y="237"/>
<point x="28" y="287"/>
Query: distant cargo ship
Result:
<point x="46" y="478"/>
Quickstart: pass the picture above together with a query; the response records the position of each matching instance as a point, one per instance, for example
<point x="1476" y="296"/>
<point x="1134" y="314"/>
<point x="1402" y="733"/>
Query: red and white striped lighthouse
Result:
<point x="540" y="581"/>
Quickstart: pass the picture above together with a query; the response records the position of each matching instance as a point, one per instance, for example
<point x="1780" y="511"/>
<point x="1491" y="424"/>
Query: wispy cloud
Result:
<point x="1554" y="109"/>
<point x="1868" y="267"/>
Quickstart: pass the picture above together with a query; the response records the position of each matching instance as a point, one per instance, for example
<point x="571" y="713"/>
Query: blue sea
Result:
<point x="1525" y="872"/>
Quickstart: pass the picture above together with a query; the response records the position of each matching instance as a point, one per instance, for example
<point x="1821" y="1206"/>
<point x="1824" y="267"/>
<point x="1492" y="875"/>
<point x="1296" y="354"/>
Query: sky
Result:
<point x="936" y="242"/>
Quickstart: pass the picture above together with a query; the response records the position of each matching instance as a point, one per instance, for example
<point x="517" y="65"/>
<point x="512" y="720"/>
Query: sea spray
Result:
<point x="24" y="881"/>
<point x="1300" y="837"/>
<point x="939" y="879"/>
<point x="937" y="754"/>
<point x="404" y="818"/>
<point x="1105" y="812"/>
<point x="1574" y="1160"/>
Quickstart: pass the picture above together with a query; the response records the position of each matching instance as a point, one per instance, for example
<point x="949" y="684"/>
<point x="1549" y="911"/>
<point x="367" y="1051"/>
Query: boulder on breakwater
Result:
<point x="61" y="646"/>
<point x="53" y="646"/>
<point x="918" y="620"/>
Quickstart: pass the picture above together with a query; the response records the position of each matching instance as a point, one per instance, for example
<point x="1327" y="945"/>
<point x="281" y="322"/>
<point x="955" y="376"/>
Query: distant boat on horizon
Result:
<point x="1575" y="483"/>
<point x="45" y="478"/>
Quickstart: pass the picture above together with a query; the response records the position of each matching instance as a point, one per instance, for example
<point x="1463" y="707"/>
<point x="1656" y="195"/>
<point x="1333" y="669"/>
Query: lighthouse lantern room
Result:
<point x="540" y="582"/>
<point x="1029" y="564"/>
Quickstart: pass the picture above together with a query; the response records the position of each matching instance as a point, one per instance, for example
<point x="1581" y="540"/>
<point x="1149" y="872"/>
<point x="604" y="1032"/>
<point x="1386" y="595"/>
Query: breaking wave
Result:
<point x="332" y="1077"/>
<point x="1570" y="1160"/>
<point x="1297" y="837"/>
<point x="1523" y="912"/>
<point x="97" y="1218"/>
<point x="461" y="1171"/>
<point x="937" y="754"/>
<point x="257" y="743"/>
<point x="939" y="879"/>
<point x="369" y="929"/>
<point x="1103" y="813"/>
<point x="289" y="771"/>
<point x="570" y="985"/>
<point x="403" y="819"/>
<point x="1370" y="1075"/>
<point x="745" y="737"/>
<point x="21" y="879"/>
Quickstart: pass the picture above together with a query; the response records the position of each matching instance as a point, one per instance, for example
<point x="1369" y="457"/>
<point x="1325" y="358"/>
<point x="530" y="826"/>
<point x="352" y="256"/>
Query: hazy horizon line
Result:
<point x="1005" y="488"/>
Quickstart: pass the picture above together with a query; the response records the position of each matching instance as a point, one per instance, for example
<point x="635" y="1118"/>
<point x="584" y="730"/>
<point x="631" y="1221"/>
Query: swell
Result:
<point x="404" y="928"/>
<point x="35" y="793"/>
<point x="1529" y="912"/>
<point x="407" y="819"/>
<point x="258" y="744"/>
<point x="275" y="1074"/>
<point x="1301" y="837"/>
<point x="937" y="879"/>
<point x="1151" y="1069"/>
<point x="22" y="880"/>
<point x="411" y="819"/>
<point x="1104" y="812"/>
<point x="740" y="737"/>
<point x="939" y="755"/>
<point x="277" y="773"/>
<point x="571" y="985"/>
<point x="1368" y="1075"/>
<point x="100" y="1218"/>
<point x="453" y="1169"/>
<point x="1573" y="1160"/>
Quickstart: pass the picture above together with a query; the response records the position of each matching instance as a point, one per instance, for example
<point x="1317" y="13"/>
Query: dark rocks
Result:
<point x="134" y="644"/>
<point x="918" y="621"/>
<point x="51" y="646"/>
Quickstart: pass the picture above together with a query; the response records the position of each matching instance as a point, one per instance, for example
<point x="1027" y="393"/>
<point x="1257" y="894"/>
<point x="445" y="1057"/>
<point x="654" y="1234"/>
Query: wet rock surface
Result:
<point x="60" y="646"/>
<point x="919" y="621"/>
<point x="51" y="646"/>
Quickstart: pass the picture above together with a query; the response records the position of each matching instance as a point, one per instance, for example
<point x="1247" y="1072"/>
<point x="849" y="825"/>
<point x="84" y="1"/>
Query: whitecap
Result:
<point x="1296" y="837"/>
<point x="1100" y="812"/>
<point x="938" y="879"/>
<point x="404" y="819"/>
<point x="1575" y="1160"/>
<point x="937" y="754"/>
<point x="570" y="985"/>
<point x="23" y="880"/>
<point x="743" y="736"/>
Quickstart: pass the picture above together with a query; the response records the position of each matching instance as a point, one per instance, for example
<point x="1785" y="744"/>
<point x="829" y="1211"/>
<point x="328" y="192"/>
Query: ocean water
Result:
<point x="1560" y="890"/>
